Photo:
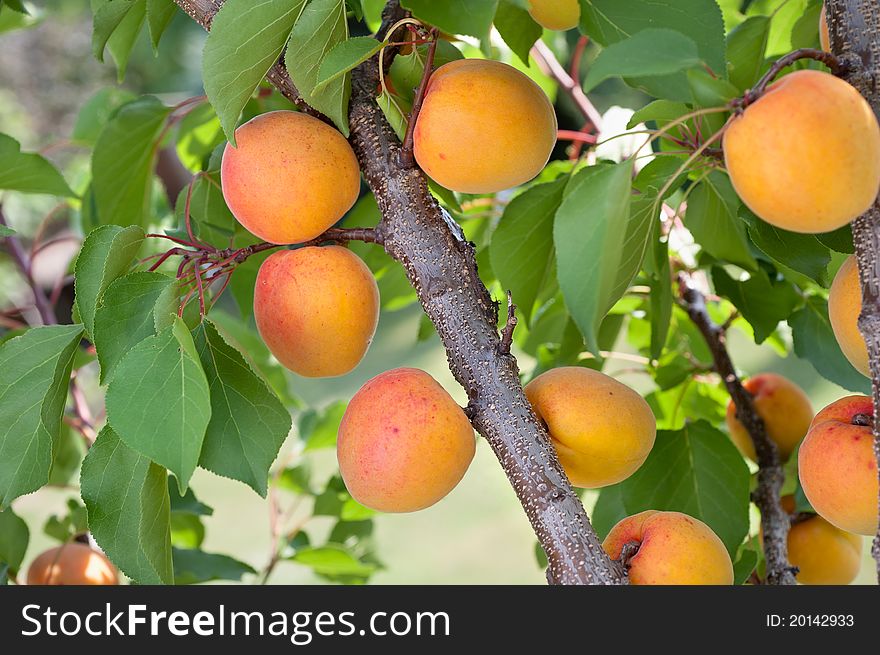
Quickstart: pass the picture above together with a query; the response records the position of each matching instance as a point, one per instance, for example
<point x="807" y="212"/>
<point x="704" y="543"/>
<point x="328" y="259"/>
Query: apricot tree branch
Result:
<point x="854" y="31"/>
<point x="441" y="266"/>
<point x="767" y="496"/>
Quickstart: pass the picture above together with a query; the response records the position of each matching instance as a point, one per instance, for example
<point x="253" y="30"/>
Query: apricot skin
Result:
<point x="844" y="307"/>
<point x="290" y="176"/>
<point x="674" y="549"/>
<point x="825" y="555"/>
<point x="806" y="156"/>
<point x="483" y="127"/>
<point x="602" y="430"/>
<point x="824" y="36"/>
<point x="837" y="468"/>
<point x="72" y="564"/>
<point x="555" y="14"/>
<point x="403" y="442"/>
<point x="783" y="406"/>
<point x="316" y="309"/>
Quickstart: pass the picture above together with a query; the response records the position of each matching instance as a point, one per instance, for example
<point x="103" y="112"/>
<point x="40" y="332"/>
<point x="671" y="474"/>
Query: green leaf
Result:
<point x="126" y="496"/>
<point x="34" y="376"/>
<point x="159" y="15"/>
<point x="66" y="527"/>
<point x="814" y="341"/>
<point x="121" y="42"/>
<point x="97" y="112"/>
<point x="521" y="250"/>
<point x="840" y="240"/>
<point x="126" y="315"/>
<point x="245" y="41"/>
<point x="248" y="423"/>
<point x="188" y="503"/>
<point x="697" y="471"/>
<point x="318" y="31"/>
<point x="68" y="457"/>
<point x="712" y="217"/>
<point x="107" y="18"/>
<point x="122" y="162"/>
<point x="744" y="566"/>
<point x="645" y="54"/>
<point x="608" y="511"/>
<point x="29" y="173"/>
<point x="517" y="28"/>
<point x="594" y="244"/>
<point x="333" y="560"/>
<point x="472" y="17"/>
<point x="106" y="254"/>
<point x="345" y="56"/>
<point x="15" y="5"/>
<point x="803" y="253"/>
<point x="746" y="45"/>
<point x="14" y="537"/>
<point x="6" y="231"/>
<point x="762" y="302"/>
<point x="158" y="401"/>
<point x="193" y="566"/>
<point x="319" y="430"/>
<point x="394" y="112"/>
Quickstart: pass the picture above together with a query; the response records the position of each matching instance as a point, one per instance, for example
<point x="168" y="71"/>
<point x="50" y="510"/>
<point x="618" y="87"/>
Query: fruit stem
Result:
<point x="407" y="160"/>
<point x="865" y="420"/>
<point x="629" y="550"/>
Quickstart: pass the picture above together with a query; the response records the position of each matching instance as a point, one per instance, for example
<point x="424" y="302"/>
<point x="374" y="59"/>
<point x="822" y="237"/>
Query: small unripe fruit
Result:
<point x="844" y="307"/>
<point x="72" y="564"/>
<point x="673" y="549"/>
<point x="837" y="467"/>
<point x="602" y="430"/>
<point x="784" y="408"/>
<point x="289" y="177"/>
<point x="316" y="309"/>
<point x="556" y="14"/>
<point x="805" y="156"/>
<point x="403" y="442"/>
<point x="483" y="127"/>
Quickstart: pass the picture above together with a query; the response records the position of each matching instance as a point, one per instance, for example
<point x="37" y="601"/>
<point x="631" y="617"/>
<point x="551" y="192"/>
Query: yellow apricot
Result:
<point x="72" y="564"/>
<point x="316" y="309"/>
<point x="673" y="549"/>
<point x="825" y="555"/>
<point x="602" y="430"/>
<point x="837" y="468"/>
<point x="403" y="442"/>
<point x="483" y="127"/>
<point x="784" y="408"/>
<point x="806" y="155"/>
<point x="289" y="177"/>
<point x="844" y="307"/>
<point x="824" y="36"/>
<point x="556" y="14"/>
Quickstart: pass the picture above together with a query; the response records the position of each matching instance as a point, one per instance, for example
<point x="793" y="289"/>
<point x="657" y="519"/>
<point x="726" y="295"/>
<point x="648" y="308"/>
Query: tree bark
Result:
<point x="441" y="265"/>
<point x="854" y="30"/>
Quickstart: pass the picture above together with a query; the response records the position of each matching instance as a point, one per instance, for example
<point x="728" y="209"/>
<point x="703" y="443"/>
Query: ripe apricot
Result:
<point x="556" y="14"/>
<point x="316" y="309"/>
<point x="602" y="430"/>
<point x="673" y="548"/>
<point x="403" y="442"/>
<point x="824" y="554"/>
<point x="784" y="408"/>
<point x="806" y="155"/>
<point x="72" y="564"/>
<point x="289" y="177"/>
<point x="844" y="307"/>
<point x="837" y="468"/>
<point x="824" y="36"/>
<point x="483" y="127"/>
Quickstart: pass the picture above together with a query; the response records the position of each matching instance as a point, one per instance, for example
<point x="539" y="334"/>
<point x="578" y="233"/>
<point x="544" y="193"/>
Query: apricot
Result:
<point x="844" y="307"/>
<point x="72" y="564"/>
<point x="556" y="14"/>
<point x="805" y="156"/>
<point x="784" y="408"/>
<point x="316" y="309"/>
<point x="483" y="127"/>
<point x="824" y="36"/>
<point x="837" y="468"/>
<point x="824" y="554"/>
<point x="289" y="177"/>
<point x="673" y="549"/>
<point x="403" y="442"/>
<point x="602" y="430"/>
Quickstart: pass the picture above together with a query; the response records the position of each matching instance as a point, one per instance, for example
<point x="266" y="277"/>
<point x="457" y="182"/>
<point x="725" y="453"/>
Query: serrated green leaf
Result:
<point x="188" y="503"/>
<point x="746" y="44"/>
<point x="97" y="112"/>
<point x="744" y="566"/>
<point x="521" y="250"/>
<point x="192" y="566"/>
<point x="106" y="254"/>
<point x="34" y="376"/>
<point x="122" y="162"/>
<point x="650" y="52"/>
<point x="245" y="41"/>
<point x="319" y="429"/>
<point x="321" y="28"/>
<point x="712" y="217"/>
<point x="608" y="511"/>
<point x="121" y="42"/>
<point x="159" y="403"/>
<point x="395" y="114"/>
<point x="248" y="423"/>
<point x="803" y="253"/>
<point x="27" y="172"/>
<point x="517" y="28"/>
<point x="107" y="15"/>
<point x="14" y="537"/>
<point x="68" y="455"/>
<point x="344" y="57"/>
<point x="762" y="302"/>
<point x="159" y="15"/>
<point x="126" y="496"/>
<point x="473" y="17"/>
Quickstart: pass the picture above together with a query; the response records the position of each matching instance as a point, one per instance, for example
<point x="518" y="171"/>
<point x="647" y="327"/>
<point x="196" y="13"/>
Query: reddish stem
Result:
<point x="406" y="152"/>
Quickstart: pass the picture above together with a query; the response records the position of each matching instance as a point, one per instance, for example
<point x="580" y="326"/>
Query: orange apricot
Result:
<point x="72" y="564"/>
<point x="844" y="307"/>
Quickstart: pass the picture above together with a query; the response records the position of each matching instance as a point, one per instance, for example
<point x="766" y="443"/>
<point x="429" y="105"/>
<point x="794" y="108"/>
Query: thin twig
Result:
<point x="550" y="65"/>
<point x="406" y="152"/>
